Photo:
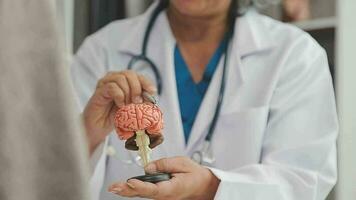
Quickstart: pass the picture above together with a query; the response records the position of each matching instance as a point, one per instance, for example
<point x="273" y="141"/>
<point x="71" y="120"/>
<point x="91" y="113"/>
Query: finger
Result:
<point x="147" y="85"/>
<point x="122" y="189"/>
<point x="113" y="91"/>
<point x="144" y="189"/>
<point x="124" y="85"/>
<point x="171" y="165"/>
<point x="116" y="93"/>
<point x="102" y="81"/>
<point x="135" y="86"/>
<point x="120" y="80"/>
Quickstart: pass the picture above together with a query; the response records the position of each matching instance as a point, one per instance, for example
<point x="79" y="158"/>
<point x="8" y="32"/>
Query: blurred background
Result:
<point x="330" y="22"/>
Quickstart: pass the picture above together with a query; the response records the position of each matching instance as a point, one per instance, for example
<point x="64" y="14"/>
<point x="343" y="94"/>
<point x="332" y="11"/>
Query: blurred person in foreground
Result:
<point x="42" y="154"/>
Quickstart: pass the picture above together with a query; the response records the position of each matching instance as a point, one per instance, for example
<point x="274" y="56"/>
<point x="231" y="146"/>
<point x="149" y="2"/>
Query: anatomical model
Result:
<point x="141" y="126"/>
<point x="139" y="120"/>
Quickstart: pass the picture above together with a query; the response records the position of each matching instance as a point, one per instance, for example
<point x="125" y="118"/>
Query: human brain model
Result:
<point x="139" y="120"/>
<point x="134" y="117"/>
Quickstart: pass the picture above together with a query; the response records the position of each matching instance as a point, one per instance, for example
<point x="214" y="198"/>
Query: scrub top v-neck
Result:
<point x="190" y="93"/>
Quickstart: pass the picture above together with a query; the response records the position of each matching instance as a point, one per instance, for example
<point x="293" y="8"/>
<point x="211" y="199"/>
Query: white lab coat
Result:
<point x="276" y="134"/>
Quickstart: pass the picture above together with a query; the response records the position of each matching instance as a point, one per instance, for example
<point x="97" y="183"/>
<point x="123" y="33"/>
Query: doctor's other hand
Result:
<point x="115" y="89"/>
<point x="189" y="181"/>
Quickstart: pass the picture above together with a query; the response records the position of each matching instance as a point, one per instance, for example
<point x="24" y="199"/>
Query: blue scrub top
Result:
<point x="191" y="94"/>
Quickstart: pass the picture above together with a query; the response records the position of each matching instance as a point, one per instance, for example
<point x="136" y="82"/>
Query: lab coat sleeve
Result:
<point x="87" y="68"/>
<point x="298" y="159"/>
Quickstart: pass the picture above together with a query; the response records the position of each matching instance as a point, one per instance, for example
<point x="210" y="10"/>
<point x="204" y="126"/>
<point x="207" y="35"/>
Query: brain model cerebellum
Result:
<point x="138" y="117"/>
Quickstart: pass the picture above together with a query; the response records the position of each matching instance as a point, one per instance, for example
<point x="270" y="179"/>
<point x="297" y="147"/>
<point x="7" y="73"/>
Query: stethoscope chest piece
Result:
<point x="204" y="156"/>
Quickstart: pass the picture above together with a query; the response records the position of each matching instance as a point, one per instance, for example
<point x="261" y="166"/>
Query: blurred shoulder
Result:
<point x="115" y="32"/>
<point x="287" y="39"/>
<point x="283" y="35"/>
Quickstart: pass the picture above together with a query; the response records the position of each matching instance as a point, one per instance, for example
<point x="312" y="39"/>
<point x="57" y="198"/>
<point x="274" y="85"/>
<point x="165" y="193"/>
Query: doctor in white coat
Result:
<point x="276" y="133"/>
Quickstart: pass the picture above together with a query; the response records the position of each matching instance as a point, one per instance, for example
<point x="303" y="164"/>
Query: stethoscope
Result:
<point x="203" y="156"/>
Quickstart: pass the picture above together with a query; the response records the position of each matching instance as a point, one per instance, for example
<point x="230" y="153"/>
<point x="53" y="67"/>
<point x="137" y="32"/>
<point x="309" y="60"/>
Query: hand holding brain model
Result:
<point x="141" y="126"/>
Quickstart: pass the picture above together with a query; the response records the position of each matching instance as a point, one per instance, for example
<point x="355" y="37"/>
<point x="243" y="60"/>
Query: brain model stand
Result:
<point x="141" y="126"/>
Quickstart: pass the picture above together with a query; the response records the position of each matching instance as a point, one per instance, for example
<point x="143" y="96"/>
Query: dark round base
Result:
<point x="153" y="178"/>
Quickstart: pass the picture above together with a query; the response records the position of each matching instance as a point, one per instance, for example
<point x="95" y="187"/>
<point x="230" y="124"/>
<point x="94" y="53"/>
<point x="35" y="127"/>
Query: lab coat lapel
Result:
<point x="160" y="49"/>
<point x="207" y="109"/>
<point x="246" y="42"/>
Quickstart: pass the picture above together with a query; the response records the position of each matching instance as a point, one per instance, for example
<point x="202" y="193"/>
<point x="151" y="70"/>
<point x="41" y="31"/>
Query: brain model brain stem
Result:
<point x="139" y="120"/>
<point x="143" y="142"/>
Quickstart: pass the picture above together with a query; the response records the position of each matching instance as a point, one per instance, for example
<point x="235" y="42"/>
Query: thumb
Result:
<point x="171" y="165"/>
